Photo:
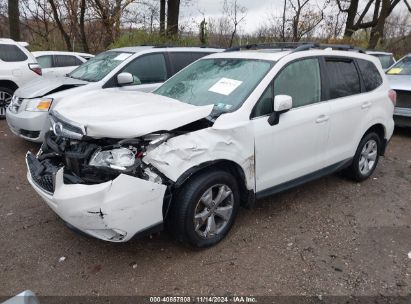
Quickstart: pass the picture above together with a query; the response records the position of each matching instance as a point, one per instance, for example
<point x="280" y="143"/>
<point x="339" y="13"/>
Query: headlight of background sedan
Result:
<point x="119" y="159"/>
<point x="39" y="104"/>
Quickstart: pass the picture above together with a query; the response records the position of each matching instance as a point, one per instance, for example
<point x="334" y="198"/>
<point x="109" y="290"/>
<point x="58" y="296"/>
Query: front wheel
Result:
<point x="5" y="98"/>
<point x="366" y="157"/>
<point x="205" y="209"/>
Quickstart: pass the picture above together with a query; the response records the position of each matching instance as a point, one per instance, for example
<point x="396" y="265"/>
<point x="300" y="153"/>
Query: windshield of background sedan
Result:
<point x="223" y="82"/>
<point x="402" y="67"/>
<point x="98" y="67"/>
<point x="386" y="60"/>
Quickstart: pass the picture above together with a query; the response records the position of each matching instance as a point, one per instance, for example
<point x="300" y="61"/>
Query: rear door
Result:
<point x="347" y="107"/>
<point x="149" y="72"/>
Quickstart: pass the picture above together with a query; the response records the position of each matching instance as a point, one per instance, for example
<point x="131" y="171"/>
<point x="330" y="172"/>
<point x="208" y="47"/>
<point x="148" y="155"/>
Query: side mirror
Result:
<point x="282" y="103"/>
<point x="124" y="79"/>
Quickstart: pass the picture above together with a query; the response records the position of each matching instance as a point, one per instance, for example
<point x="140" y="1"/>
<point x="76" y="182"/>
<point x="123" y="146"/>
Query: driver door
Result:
<point x="149" y="72"/>
<point x="296" y="146"/>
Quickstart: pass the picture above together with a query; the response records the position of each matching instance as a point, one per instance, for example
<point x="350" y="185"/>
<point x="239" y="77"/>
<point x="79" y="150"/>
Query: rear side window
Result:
<point x="343" y="79"/>
<point x="148" y="69"/>
<point x="370" y="75"/>
<point x="11" y="53"/>
<point x="45" y="61"/>
<point x="66" y="61"/>
<point x="180" y="60"/>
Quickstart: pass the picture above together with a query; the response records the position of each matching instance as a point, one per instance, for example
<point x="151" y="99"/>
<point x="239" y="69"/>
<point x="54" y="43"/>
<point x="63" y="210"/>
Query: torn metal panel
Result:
<point x="112" y="211"/>
<point x="181" y="153"/>
<point x="135" y="114"/>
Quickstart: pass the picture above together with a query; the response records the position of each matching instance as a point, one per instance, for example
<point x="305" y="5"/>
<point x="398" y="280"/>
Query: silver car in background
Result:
<point x="399" y="76"/>
<point x="387" y="59"/>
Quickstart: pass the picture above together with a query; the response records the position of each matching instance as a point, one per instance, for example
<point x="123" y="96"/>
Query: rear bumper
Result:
<point x="113" y="211"/>
<point x="402" y="117"/>
<point x="31" y="126"/>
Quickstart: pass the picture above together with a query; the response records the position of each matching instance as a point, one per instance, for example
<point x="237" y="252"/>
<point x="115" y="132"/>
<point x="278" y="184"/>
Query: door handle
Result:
<point x="322" y="118"/>
<point x="366" y="105"/>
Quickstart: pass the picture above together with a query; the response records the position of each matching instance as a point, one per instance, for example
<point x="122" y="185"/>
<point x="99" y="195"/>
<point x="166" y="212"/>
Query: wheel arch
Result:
<point x="247" y="197"/>
<point x="380" y="130"/>
<point x="8" y="84"/>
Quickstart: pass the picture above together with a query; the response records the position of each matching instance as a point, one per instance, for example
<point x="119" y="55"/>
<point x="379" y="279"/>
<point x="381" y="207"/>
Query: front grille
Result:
<point x="403" y="99"/>
<point x="30" y="134"/>
<point x="40" y="174"/>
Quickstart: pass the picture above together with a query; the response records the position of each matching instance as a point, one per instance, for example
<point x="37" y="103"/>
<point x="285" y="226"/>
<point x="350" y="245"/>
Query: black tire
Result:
<point x="186" y="203"/>
<point x="4" y="103"/>
<point x="355" y="171"/>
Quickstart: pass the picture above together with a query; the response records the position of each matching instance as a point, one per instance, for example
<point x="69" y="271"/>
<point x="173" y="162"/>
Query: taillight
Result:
<point x="35" y="68"/>
<point x="393" y="96"/>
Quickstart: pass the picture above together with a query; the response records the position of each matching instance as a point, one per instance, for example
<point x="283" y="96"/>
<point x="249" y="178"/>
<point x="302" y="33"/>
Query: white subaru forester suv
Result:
<point x="227" y="130"/>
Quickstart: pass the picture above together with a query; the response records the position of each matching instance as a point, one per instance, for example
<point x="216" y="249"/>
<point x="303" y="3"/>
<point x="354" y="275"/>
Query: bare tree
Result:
<point x="304" y="18"/>
<point x="235" y="13"/>
<point x="14" y="20"/>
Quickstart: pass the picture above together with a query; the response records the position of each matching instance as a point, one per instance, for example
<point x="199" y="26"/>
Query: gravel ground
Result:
<point x="328" y="237"/>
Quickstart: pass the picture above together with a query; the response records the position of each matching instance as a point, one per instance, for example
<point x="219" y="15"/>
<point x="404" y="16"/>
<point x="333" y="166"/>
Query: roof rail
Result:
<point x="295" y="46"/>
<point x="258" y="46"/>
<point x="175" y="46"/>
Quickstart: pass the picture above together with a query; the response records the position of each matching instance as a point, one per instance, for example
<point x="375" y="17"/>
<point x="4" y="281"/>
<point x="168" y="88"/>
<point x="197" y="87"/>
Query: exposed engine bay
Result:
<point x="92" y="161"/>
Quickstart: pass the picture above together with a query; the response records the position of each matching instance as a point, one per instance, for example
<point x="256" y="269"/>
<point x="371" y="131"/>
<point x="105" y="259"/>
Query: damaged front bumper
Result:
<point x="113" y="211"/>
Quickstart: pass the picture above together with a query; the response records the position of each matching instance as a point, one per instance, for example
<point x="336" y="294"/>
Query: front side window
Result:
<point x="402" y="67"/>
<point x="148" y="69"/>
<point x="222" y="82"/>
<point x="98" y="67"/>
<point x="61" y="61"/>
<point x="180" y="60"/>
<point x="45" y="61"/>
<point x="11" y="53"/>
<point x="301" y="80"/>
<point x="370" y="75"/>
<point x="343" y="78"/>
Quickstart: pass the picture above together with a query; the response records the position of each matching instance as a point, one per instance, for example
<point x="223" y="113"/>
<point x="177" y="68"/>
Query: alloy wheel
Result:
<point x="5" y="99"/>
<point x="368" y="157"/>
<point x="213" y="211"/>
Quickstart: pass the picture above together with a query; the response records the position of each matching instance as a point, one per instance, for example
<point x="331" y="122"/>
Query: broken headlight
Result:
<point x="39" y="104"/>
<point x="118" y="159"/>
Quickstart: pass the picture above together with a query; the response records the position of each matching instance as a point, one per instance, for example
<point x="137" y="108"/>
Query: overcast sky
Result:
<point x="257" y="10"/>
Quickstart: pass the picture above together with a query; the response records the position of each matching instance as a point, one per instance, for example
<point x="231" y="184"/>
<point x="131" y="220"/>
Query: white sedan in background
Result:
<point x="56" y="63"/>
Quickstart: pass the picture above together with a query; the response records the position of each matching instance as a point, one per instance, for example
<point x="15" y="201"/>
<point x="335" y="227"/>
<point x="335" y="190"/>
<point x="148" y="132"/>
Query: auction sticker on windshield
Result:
<point x="122" y="56"/>
<point x="225" y="86"/>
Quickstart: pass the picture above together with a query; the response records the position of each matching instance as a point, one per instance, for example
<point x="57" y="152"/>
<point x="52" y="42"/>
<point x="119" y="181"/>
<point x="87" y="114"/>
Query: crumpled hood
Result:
<point x="42" y="86"/>
<point x="400" y="82"/>
<point x="124" y="114"/>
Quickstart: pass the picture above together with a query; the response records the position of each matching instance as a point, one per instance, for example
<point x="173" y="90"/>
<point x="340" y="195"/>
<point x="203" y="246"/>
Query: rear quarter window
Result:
<point x="370" y="74"/>
<point x="11" y="53"/>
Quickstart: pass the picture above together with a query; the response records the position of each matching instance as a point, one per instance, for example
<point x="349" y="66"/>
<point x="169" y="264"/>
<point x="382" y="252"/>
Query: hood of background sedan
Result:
<point x="42" y="86"/>
<point x="400" y="82"/>
<point x="124" y="114"/>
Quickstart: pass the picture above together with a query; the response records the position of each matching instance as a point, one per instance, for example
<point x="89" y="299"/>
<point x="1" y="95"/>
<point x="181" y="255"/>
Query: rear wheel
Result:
<point x="366" y="157"/>
<point x="205" y="209"/>
<point x="5" y="98"/>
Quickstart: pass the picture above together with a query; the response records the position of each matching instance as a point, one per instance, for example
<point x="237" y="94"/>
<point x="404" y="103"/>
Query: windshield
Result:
<point x="98" y="67"/>
<point x="402" y="67"/>
<point x="225" y="83"/>
<point x="386" y="60"/>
